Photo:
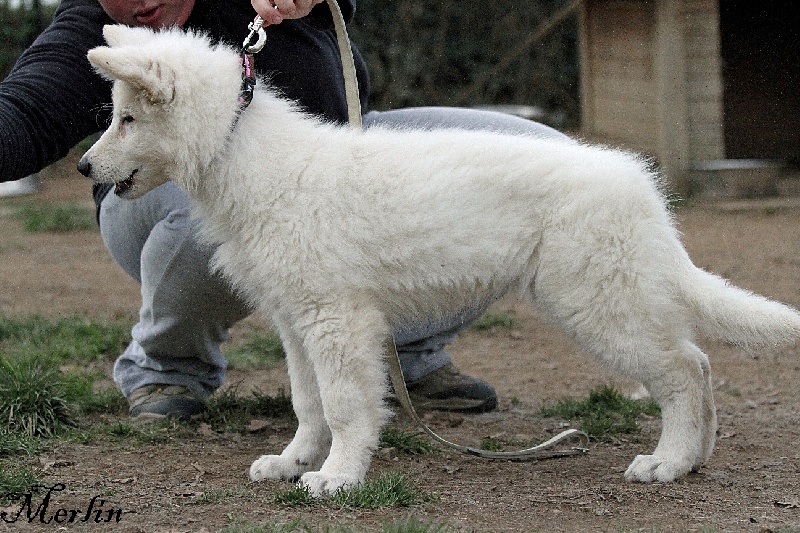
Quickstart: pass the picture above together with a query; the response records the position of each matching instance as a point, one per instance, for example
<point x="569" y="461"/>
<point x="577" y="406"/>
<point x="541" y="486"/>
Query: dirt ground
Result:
<point x="751" y="484"/>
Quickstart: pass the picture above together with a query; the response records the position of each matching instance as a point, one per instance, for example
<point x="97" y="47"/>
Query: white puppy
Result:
<point x="338" y="235"/>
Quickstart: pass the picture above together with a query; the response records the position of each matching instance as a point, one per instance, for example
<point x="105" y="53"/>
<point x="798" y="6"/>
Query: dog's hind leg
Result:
<point x="346" y="349"/>
<point x="679" y="380"/>
<point x="311" y="441"/>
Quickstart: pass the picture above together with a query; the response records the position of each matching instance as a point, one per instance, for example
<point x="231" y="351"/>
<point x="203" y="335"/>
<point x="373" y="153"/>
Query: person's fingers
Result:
<point x="266" y="10"/>
<point x="287" y="8"/>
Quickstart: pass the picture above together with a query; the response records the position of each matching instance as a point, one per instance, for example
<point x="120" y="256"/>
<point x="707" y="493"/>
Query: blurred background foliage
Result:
<point x="470" y="53"/>
<point x="20" y="23"/>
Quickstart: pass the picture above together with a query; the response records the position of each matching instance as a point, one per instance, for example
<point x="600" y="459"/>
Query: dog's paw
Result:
<point x="277" y="467"/>
<point x="652" y="468"/>
<point x="320" y="484"/>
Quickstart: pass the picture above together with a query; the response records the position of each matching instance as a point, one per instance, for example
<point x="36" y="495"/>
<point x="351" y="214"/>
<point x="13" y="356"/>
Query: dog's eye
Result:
<point x="127" y="119"/>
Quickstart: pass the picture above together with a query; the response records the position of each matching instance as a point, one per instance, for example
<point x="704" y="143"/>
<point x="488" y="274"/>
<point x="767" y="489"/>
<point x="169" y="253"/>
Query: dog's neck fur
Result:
<point x="219" y="189"/>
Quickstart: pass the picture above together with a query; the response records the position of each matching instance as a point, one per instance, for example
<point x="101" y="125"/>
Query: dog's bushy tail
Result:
<point x="737" y="315"/>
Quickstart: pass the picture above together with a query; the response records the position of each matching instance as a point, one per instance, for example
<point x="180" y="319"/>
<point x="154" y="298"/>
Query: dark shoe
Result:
<point x="162" y="401"/>
<point x="446" y="389"/>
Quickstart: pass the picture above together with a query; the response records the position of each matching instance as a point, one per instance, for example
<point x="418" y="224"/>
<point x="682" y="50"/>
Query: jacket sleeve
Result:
<point x="52" y="98"/>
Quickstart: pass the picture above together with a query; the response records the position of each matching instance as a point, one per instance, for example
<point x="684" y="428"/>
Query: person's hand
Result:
<point x="274" y="11"/>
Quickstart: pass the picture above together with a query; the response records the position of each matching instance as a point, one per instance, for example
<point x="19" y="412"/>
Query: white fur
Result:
<point x="337" y="235"/>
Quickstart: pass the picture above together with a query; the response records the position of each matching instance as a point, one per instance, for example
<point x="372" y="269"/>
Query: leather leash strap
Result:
<point x="348" y="66"/>
<point x="542" y="451"/>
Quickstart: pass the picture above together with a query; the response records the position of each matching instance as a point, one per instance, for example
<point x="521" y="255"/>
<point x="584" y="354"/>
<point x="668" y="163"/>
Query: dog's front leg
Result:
<point x="311" y="441"/>
<point x="351" y="375"/>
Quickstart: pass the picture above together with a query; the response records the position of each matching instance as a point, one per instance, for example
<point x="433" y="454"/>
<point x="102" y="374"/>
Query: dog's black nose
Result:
<point x="85" y="167"/>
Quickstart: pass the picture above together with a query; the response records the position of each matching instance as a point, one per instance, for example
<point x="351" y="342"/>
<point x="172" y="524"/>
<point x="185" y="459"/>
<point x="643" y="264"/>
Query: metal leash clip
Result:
<point x="255" y="28"/>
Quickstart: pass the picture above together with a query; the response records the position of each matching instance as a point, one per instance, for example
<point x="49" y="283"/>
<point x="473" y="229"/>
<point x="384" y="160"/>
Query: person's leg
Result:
<point x="432" y="379"/>
<point x="185" y="311"/>
<point x="431" y="118"/>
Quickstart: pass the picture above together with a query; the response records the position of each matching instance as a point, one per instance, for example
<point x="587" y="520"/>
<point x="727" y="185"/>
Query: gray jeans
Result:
<point x="187" y="310"/>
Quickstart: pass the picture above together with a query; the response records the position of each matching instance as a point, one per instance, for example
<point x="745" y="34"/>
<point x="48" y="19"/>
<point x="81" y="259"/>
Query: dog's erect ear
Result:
<point x="122" y="35"/>
<point x="129" y="64"/>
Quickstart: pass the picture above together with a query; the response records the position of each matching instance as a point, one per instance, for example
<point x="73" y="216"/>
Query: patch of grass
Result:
<point x="494" y="319"/>
<point x="494" y="444"/>
<point x="79" y="436"/>
<point x="15" y="479"/>
<point x="87" y="401"/>
<point x="36" y="396"/>
<point x="121" y="429"/>
<point x="295" y="496"/>
<point x="70" y="340"/>
<point x="12" y="444"/>
<point x="61" y="218"/>
<point x="159" y="432"/>
<point x="391" y="489"/>
<point x="230" y="410"/>
<point x="491" y="445"/>
<point x="408" y="442"/>
<point x="409" y="525"/>
<point x="32" y="399"/>
<point x="262" y="350"/>
<point x="607" y="412"/>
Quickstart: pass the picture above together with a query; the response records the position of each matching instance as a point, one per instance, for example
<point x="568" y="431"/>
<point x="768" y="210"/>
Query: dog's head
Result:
<point x="175" y="99"/>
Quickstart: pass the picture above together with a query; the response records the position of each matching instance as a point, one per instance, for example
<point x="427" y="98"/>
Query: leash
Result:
<point x="249" y="48"/>
<point x="345" y="52"/>
<point x="541" y="451"/>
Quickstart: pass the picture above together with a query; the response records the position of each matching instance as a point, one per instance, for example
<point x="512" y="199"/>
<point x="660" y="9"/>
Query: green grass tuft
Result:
<point x="71" y="340"/>
<point x="607" y="412"/>
<point x="295" y="496"/>
<point x="491" y="444"/>
<point x="34" y="348"/>
<point x="38" y="217"/>
<point x="87" y="401"/>
<point x="234" y="412"/>
<point x="32" y="399"/>
<point x="15" y="479"/>
<point x="408" y="442"/>
<point x="258" y="351"/>
<point x="391" y="489"/>
<point x="158" y="432"/>
<point x="12" y="444"/>
<point x="494" y="319"/>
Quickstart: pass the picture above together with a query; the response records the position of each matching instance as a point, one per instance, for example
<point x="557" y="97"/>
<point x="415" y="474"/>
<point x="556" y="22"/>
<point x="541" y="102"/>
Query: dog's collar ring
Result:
<point x="256" y="31"/>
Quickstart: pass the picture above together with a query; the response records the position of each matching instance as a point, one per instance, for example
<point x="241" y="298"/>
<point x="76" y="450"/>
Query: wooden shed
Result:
<point x="707" y="87"/>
